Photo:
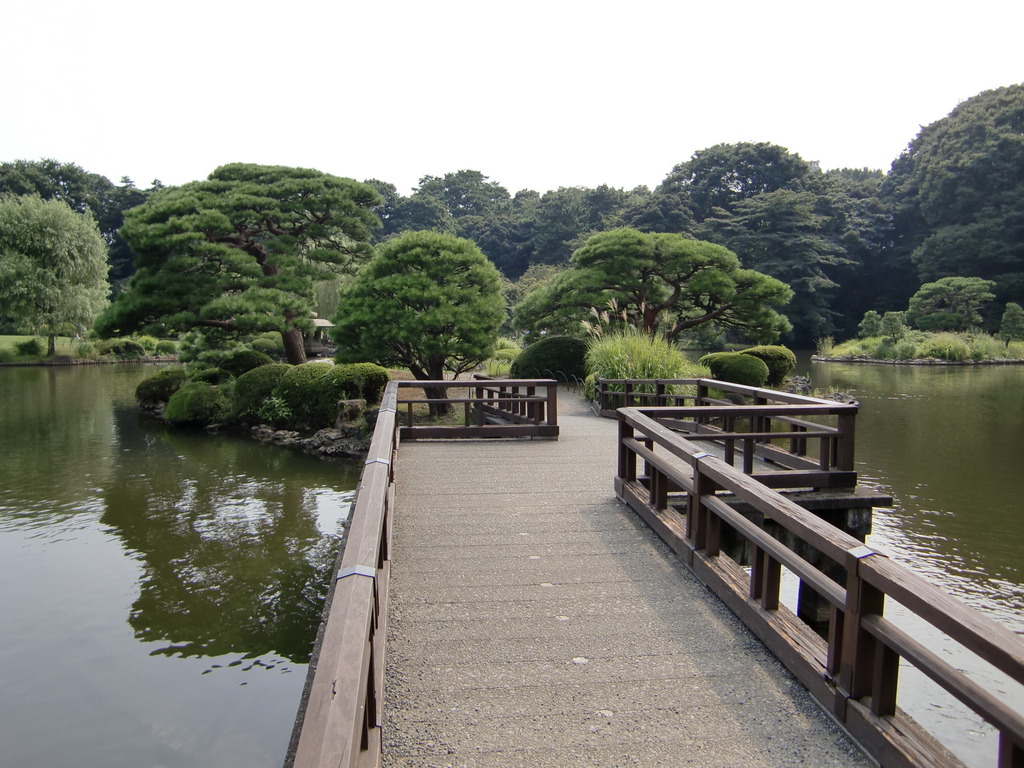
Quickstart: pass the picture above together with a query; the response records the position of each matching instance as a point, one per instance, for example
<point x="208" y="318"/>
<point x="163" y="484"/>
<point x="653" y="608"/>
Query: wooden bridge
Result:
<point x="531" y="618"/>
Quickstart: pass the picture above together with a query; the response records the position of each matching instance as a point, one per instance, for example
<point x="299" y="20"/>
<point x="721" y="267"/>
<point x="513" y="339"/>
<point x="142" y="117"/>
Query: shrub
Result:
<point x="33" y="347"/>
<point x="870" y="325"/>
<point x="159" y="387"/>
<point x="552" y="356"/>
<point x="254" y="387"/>
<point x="271" y="338"/>
<point x="825" y="346"/>
<point x="298" y="388"/>
<point x="148" y="343"/>
<point x="266" y="346"/>
<point x="210" y="375"/>
<point x="348" y="381"/>
<point x="126" y="349"/>
<point x="275" y="411"/>
<point x="241" y="361"/>
<point x="166" y="347"/>
<point x="779" y="359"/>
<point x="737" y="368"/>
<point x="197" y="403"/>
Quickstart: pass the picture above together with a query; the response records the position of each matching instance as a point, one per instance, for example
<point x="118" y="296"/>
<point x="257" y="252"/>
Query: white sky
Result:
<point x="533" y="94"/>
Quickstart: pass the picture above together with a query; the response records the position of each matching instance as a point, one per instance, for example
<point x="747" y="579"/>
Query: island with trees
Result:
<point x="741" y="245"/>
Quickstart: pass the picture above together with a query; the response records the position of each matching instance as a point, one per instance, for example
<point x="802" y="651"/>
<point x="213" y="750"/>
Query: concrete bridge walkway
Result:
<point x="536" y="621"/>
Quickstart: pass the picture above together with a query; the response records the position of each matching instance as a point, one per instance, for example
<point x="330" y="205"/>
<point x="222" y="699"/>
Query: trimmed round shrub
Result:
<point x="243" y="360"/>
<point x="266" y="346"/>
<point x="166" y="347"/>
<point x="737" y="368"/>
<point x="348" y="381"/>
<point x="372" y="379"/>
<point x="558" y="356"/>
<point x="779" y="359"/>
<point x="159" y="387"/>
<point x="211" y="375"/>
<point x="254" y="387"/>
<point x="198" y="404"/>
<point x="298" y="388"/>
<point x="148" y="343"/>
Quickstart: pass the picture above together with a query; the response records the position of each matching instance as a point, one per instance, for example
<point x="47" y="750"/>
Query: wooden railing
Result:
<point x="339" y="722"/>
<point x="490" y="408"/>
<point x="773" y="435"/>
<point x="853" y="672"/>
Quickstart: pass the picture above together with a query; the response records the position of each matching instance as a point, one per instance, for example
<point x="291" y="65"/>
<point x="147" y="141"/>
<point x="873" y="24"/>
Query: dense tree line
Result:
<point x="844" y="241"/>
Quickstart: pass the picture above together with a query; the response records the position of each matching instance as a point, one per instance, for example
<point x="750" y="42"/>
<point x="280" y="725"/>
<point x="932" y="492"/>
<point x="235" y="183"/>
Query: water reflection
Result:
<point x="140" y="560"/>
<point x="233" y="556"/>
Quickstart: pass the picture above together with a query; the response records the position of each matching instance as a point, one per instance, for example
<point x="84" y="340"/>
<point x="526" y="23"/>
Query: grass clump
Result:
<point x="632" y="354"/>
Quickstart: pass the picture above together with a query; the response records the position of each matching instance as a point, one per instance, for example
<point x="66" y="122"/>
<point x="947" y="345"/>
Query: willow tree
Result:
<point x="241" y="252"/>
<point x="665" y="283"/>
<point x="53" y="267"/>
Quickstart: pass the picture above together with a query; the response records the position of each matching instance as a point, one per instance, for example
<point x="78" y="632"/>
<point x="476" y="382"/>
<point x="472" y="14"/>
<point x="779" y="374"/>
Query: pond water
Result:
<point x="947" y="442"/>
<point x="161" y="588"/>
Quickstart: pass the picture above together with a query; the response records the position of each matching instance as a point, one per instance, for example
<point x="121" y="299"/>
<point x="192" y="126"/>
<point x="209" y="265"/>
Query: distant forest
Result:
<point x="846" y="241"/>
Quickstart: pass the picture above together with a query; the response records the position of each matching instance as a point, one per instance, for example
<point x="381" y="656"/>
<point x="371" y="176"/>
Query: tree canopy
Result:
<point x="427" y="301"/>
<point x="53" y="267"/>
<point x="661" y="282"/>
<point x="958" y="193"/>
<point x="240" y="252"/>
<point x="950" y="304"/>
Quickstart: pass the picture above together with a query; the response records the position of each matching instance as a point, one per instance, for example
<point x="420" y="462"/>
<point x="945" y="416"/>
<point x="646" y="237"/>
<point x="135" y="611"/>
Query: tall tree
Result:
<point x="465" y="193"/>
<point x="241" y="251"/>
<point x="663" y="283"/>
<point x="721" y="175"/>
<point x="780" y="234"/>
<point x="53" y="267"/>
<point x="428" y="301"/>
<point x="958" y="194"/>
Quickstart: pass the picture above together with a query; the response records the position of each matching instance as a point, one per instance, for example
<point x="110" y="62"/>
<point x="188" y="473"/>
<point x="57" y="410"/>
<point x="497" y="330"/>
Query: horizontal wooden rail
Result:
<point x="340" y="719"/>
<point x="491" y="408"/>
<point x="853" y="671"/>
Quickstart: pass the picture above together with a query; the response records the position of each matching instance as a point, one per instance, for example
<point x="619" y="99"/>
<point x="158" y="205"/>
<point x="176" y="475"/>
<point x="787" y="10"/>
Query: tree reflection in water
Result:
<point x="235" y="555"/>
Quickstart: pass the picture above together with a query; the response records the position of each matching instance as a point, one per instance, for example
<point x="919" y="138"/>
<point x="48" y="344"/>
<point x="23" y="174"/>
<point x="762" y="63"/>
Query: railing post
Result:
<point x="863" y="664"/>
<point x="552" y="404"/>
<point x="627" y="459"/>
<point x="844" y="450"/>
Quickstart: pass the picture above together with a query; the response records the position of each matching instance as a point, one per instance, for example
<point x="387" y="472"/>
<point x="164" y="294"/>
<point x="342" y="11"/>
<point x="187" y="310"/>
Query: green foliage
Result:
<point x="240" y="252"/>
<point x="166" y="347"/>
<point x="894" y="326"/>
<point x="554" y="356"/>
<point x="53" y="267"/>
<point x="274" y="410"/>
<point x="737" y="368"/>
<point x="240" y="361"/>
<point x="825" y="346"/>
<point x="632" y="354"/>
<point x="299" y="390"/>
<point x="950" y="304"/>
<point x="211" y="375"/>
<point x="1011" y="328"/>
<point x="945" y="346"/>
<point x="780" y="361"/>
<point x="148" y="343"/>
<point x="957" y="192"/>
<point x="86" y="350"/>
<point x="124" y="349"/>
<point x="34" y="347"/>
<point x="273" y="338"/>
<point x="660" y="282"/>
<point x="871" y="325"/>
<point x="427" y="301"/>
<point x="159" y="387"/>
<point x="351" y="381"/>
<point x="255" y="386"/>
<point x="197" y="404"/>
